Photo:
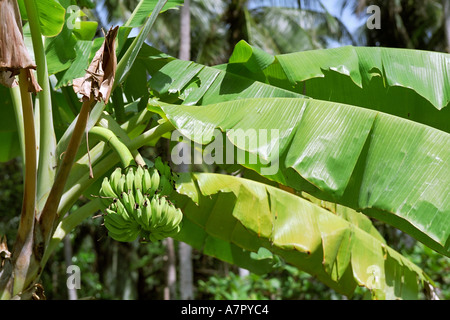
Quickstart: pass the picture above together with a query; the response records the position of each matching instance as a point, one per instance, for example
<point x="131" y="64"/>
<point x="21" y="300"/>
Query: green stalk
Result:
<point x="94" y="115"/>
<point x="75" y="190"/>
<point x="135" y="123"/>
<point x="108" y="122"/>
<point x="68" y="224"/>
<point x="50" y="214"/>
<point x="100" y="149"/>
<point x="18" y="112"/>
<point x="23" y="255"/>
<point x="47" y="138"/>
<point x="114" y="142"/>
<point x="73" y="194"/>
<point x="117" y="102"/>
<point x="151" y="135"/>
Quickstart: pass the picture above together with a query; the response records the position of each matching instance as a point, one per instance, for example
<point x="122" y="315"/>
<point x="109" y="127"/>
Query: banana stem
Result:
<point x="118" y="146"/>
<point x="18" y="112"/>
<point x="151" y="135"/>
<point x="100" y="149"/>
<point x="50" y="212"/>
<point x="68" y="224"/>
<point x="117" y="101"/>
<point x="94" y="115"/>
<point x="23" y="249"/>
<point x="72" y="194"/>
<point x="47" y="143"/>
<point x="110" y="123"/>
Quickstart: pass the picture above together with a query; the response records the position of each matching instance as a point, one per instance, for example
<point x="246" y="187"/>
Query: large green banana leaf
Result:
<point x="390" y="168"/>
<point x="343" y="253"/>
<point x="193" y="83"/>
<point x="50" y="13"/>
<point x="411" y="84"/>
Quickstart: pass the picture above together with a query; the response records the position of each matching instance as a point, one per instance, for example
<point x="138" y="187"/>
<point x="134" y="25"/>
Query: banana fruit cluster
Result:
<point x="136" y="203"/>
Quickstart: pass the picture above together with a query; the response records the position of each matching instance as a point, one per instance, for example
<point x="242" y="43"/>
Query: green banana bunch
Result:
<point x="159" y="219"/>
<point x="136" y="203"/>
<point x="120" y="225"/>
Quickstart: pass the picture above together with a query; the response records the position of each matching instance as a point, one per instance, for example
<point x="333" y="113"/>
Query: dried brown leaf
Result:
<point x="99" y="77"/>
<point x="13" y="52"/>
<point x="4" y="252"/>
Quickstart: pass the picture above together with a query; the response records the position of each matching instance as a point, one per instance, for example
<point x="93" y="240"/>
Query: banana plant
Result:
<point x="347" y="135"/>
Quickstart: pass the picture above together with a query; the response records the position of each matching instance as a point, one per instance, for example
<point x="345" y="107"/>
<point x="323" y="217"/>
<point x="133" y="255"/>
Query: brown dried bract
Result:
<point x="99" y="78"/>
<point x="4" y="252"/>
<point x="13" y="52"/>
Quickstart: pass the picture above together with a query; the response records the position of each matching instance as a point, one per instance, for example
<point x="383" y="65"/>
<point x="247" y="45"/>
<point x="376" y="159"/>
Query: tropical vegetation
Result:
<point x="305" y="152"/>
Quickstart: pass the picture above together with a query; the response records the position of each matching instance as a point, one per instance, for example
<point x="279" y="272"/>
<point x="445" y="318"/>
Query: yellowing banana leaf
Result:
<point x="196" y="236"/>
<point x="251" y="215"/>
<point x="390" y="168"/>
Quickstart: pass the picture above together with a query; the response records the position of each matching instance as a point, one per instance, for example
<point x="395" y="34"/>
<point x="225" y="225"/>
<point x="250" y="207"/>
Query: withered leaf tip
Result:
<point x="99" y="78"/>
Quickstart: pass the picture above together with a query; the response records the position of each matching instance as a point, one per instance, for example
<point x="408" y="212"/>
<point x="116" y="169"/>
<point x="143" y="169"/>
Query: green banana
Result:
<point x="115" y="178"/>
<point x="107" y="194"/>
<point x="120" y="187"/>
<point x="113" y="226"/>
<point x="128" y="201"/>
<point x="139" y="207"/>
<point x="129" y="180"/>
<point x="138" y="177"/>
<point x="106" y="189"/>
<point x="146" y="181"/>
<point x="125" y="235"/>
<point x="138" y="215"/>
<point x="139" y="197"/>
<point x="116" y="220"/>
<point x="175" y="219"/>
<point x="155" y="180"/>
<point x="120" y="209"/>
<point x="164" y="212"/>
<point x="156" y="211"/>
<point x="146" y="217"/>
<point x="120" y="230"/>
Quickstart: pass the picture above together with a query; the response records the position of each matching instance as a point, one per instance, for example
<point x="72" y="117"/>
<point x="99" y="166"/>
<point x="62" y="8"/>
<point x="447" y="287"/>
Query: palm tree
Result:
<point x="446" y="7"/>
<point x="186" y="272"/>
<point x="406" y="24"/>
<point x="216" y="27"/>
